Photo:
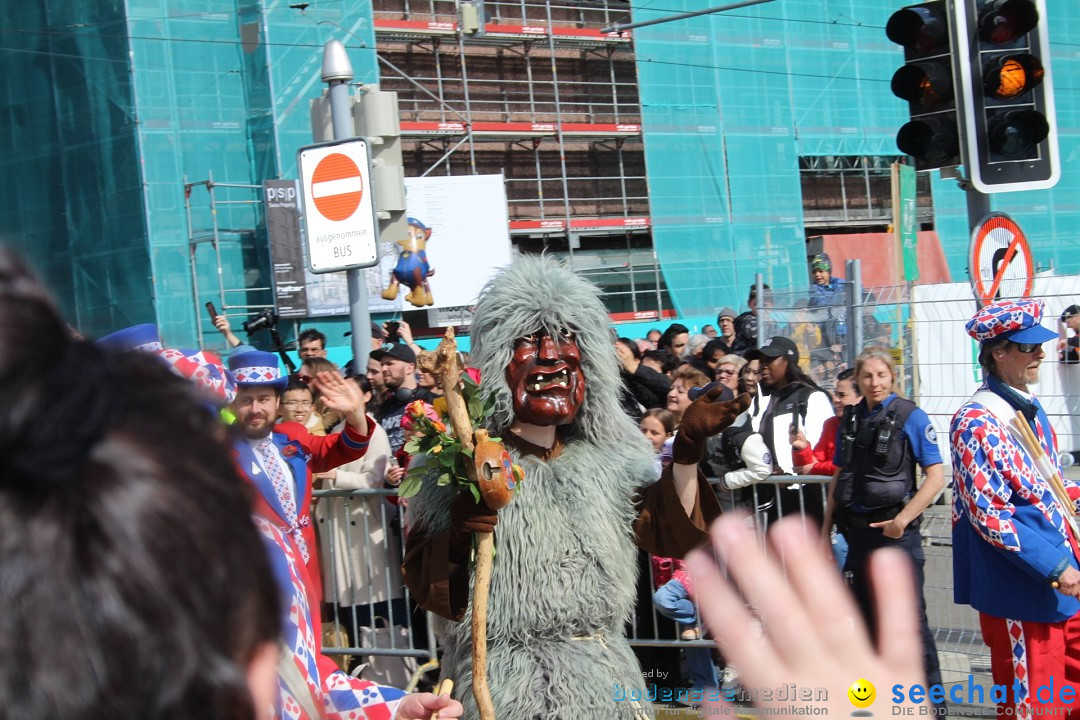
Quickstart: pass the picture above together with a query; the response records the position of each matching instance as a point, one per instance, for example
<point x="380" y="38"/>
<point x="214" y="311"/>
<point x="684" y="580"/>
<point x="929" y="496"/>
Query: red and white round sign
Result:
<point x="1000" y="263"/>
<point x="337" y="187"/>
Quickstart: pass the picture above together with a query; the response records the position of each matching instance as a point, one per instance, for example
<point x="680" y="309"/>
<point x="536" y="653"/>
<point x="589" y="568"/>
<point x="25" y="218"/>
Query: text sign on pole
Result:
<point x="1000" y="262"/>
<point x="335" y="180"/>
<point x="282" y="203"/>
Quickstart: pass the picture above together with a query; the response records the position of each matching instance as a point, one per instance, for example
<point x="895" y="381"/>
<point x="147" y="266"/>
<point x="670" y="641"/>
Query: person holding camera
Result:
<point x="874" y="498"/>
<point x="399" y="379"/>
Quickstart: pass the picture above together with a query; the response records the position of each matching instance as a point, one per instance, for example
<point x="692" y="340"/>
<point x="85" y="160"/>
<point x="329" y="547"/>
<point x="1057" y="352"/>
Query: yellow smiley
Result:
<point x="861" y="693"/>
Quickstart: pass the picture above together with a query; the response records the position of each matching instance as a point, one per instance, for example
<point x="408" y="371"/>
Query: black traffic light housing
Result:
<point x="1003" y="65"/>
<point x="932" y="135"/>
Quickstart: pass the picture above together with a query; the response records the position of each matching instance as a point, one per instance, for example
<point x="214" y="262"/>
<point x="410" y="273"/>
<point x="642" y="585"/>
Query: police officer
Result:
<point x="873" y="497"/>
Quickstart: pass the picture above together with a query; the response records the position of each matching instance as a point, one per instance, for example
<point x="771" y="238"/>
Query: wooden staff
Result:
<point x="1042" y="460"/>
<point x="446" y="686"/>
<point x="446" y="367"/>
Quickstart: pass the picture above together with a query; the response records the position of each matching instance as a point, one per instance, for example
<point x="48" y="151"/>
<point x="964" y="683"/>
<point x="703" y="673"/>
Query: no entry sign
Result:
<point x="338" y="211"/>
<point x="1000" y="262"/>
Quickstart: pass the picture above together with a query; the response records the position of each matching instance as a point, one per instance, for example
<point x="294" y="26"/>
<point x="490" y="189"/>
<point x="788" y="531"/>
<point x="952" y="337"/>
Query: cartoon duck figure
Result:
<point x="412" y="267"/>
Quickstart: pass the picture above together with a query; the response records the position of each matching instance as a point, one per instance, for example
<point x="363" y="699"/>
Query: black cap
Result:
<point x="725" y="395"/>
<point x="1069" y="312"/>
<point x="774" y="347"/>
<point x="398" y="351"/>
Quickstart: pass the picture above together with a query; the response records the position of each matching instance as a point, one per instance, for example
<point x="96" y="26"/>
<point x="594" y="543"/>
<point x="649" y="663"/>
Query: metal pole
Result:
<point x="759" y="298"/>
<point x="337" y="72"/>
<point x="854" y="311"/>
<point x="619" y="27"/>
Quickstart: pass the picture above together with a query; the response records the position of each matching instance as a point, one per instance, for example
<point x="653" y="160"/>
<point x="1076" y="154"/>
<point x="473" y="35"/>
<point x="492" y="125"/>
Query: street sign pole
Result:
<point x="337" y="72"/>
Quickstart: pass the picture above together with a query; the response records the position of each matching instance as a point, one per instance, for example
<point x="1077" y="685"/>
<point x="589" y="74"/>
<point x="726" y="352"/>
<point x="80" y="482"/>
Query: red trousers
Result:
<point x="1043" y="657"/>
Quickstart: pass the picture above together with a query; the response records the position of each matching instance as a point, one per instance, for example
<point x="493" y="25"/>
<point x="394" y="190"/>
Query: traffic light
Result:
<point x="1010" y="127"/>
<point x="932" y="136"/>
<point x="377" y="119"/>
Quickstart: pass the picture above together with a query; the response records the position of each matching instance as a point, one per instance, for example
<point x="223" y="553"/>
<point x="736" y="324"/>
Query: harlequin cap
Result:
<point x="144" y="338"/>
<point x="1015" y="320"/>
<point x="257" y="369"/>
<point x="206" y="370"/>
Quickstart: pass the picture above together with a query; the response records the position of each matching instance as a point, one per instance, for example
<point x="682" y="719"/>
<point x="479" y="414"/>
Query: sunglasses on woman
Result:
<point x="1026" y="348"/>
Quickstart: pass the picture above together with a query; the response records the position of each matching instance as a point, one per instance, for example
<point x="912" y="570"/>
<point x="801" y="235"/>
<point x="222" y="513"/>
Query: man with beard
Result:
<point x="1014" y="537"/>
<point x="398" y="362"/>
<point x="563" y="581"/>
<point x="279" y="460"/>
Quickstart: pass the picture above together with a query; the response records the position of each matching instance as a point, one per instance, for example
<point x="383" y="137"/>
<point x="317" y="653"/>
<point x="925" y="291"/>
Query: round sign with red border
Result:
<point x="337" y="187"/>
<point x="1000" y="261"/>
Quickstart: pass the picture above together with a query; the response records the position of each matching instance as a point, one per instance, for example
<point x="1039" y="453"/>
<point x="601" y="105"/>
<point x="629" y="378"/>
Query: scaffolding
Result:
<point x="227" y="225"/>
<point x="535" y="91"/>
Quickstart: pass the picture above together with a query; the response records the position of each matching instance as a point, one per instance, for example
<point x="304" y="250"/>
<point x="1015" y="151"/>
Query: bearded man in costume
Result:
<point x="563" y="582"/>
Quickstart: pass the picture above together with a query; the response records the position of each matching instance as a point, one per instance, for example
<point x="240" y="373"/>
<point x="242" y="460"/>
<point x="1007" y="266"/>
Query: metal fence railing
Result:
<point x="373" y="628"/>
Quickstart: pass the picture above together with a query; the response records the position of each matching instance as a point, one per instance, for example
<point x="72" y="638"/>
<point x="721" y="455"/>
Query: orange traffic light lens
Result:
<point x="1013" y="76"/>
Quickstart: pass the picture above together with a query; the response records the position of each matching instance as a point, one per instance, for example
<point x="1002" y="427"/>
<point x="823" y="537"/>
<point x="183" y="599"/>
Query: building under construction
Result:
<point x="670" y="164"/>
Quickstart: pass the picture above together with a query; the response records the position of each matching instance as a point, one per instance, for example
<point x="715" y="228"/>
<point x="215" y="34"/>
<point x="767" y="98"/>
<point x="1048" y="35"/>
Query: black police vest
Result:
<point x="879" y="467"/>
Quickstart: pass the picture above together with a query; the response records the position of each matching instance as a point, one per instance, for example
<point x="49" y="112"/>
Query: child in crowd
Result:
<point x="658" y="427"/>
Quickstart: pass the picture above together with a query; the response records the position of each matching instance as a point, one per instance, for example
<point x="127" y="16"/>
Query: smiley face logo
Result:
<point x="861" y="693"/>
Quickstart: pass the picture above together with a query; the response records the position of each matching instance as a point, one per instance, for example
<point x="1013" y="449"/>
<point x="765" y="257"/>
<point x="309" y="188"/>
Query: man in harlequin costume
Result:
<point x="1014" y="550"/>
<point x="564" y="572"/>
<point x="278" y="461"/>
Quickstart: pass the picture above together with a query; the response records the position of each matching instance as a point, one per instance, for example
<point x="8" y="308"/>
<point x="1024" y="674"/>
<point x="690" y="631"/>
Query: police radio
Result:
<point x="848" y="435"/>
<point x="885" y="434"/>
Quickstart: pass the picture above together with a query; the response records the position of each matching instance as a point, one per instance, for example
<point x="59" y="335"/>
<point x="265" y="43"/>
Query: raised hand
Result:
<point x="810" y="632"/>
<point x="706" y="416"/>
<point x="344" y="396"/>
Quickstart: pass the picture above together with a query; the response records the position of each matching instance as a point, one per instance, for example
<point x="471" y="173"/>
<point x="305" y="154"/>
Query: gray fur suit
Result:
<point x="563" y="583"/>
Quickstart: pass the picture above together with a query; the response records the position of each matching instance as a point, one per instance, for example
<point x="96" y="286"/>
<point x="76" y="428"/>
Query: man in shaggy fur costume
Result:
<point x="563" y="582"/>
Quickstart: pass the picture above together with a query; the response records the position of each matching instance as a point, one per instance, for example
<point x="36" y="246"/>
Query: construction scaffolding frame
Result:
<point x="535" y="91"/>
<point x="224" y="239"/>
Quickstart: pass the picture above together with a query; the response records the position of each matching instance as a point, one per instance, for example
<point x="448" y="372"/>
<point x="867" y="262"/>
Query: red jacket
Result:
<point x="304" y="454"/>
<point x="822" y="454"/>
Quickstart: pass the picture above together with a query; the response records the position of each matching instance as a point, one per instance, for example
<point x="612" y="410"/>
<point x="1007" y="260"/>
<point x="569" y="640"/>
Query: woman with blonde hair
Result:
<point x="874" y="498"/>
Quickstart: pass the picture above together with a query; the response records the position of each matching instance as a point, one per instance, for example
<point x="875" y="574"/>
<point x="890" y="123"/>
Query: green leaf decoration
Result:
<point x="410" y="485"/>
<point x="475" y="489"/>
<point x="412" y="447"/>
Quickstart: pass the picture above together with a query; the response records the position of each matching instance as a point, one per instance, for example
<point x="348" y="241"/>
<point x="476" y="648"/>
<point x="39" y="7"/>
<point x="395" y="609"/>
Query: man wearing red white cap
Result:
<point x="1014" y="537"/>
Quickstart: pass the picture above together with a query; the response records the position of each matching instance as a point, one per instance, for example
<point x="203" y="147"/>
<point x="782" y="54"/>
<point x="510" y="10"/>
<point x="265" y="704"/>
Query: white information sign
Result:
<point x="339" y="214"/>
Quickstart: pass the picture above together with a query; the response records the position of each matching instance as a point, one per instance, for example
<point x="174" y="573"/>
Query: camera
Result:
<point x="393" y="331"/>
<point x="265" y="319"/>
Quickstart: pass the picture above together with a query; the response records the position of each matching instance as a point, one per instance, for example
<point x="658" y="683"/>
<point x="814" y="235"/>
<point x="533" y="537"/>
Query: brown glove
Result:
<point x="706" y="416"/>
<point x="468" y="516"/>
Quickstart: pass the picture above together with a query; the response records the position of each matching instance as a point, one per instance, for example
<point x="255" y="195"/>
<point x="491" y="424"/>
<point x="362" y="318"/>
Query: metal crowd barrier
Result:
<point x="371" y="625"/>
<point x="370" y="527"/>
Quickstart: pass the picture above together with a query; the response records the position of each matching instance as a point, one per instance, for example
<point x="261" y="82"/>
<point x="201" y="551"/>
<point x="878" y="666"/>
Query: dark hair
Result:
<point x="666" y="360"/>
<point x="849" y="374"/>
<point x="713" y="346"/>
<point x="135" y="582"/>
<point x="295" y="383"/>
<point x="753" y="291"/>
<point x="669" y="334"/>
<point x="986" y="353"/>
<point x="362" y="381"/>
<point x="311" y="334"/>
<point x="631" y="346"/>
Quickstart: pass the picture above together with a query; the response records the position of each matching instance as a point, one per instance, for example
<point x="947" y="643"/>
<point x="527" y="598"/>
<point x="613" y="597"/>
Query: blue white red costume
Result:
<point x="1011" y="538"/>
<point x="318" y="688"/>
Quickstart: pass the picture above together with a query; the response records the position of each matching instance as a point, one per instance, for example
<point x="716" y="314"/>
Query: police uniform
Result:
<point x="1011" y="535"/>
<point x="876" y="455"/>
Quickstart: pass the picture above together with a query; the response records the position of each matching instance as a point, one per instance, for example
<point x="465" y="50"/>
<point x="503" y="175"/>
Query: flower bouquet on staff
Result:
<point x="456" y="450"/>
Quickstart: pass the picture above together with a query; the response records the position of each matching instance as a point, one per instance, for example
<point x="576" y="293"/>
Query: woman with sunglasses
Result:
<point x="874" y="497"/>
